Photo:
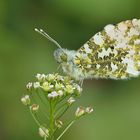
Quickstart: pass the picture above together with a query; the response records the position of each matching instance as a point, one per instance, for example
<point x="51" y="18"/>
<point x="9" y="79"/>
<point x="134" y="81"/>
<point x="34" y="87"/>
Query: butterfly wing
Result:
<point x="112" y="53"/>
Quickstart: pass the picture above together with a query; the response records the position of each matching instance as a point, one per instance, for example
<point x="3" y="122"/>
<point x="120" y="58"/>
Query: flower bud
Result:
<point x="53" y="95"/>
<point x="34" y="108"/>
<point x="58" y="86"/>
<point x="59" y="77"/>
<point x="71" y="100"/>
<point x="80" y="112"/>
<point x="46" y="86"/>
<point x="26" y="100"/>
<point x="50" y="77"/>
<point x="69" y="89"/>
<point x="29" y="86"/>
<point x="43" y="132"/>
<point x="58" y="123"/>
<point x="36" y="85"/>
<point x="89" y="110"/>
<point x="67" y="80"/>
<point x="41" y="77"/>
<point x="60" y="93"/>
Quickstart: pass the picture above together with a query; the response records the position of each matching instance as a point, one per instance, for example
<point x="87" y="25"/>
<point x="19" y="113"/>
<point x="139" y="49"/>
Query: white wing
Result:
<point x="112" y="53"/>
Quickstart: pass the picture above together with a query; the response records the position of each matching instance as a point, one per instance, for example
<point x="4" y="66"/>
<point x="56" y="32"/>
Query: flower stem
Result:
<point x="63" y="113"/>
<point x="70" y="124"/>
<point x="35" y="119"/>
<point x="52" y="110"/>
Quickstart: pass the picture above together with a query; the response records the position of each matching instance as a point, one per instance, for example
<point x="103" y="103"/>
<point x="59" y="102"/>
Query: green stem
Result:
<point x="62" y="99"/>
<point x="45" y="138"/>
<point x="35" y="119"/>
<point x="55" y="131"/>
<point x="41" y="110"/>
<point x="70" y="124"/>
<point x="38" y="93"/>
<point x="63" y="113"/>
<point x="37" y="122"/>
<point x="52" y="110"/>
<point x="60" y="108"/>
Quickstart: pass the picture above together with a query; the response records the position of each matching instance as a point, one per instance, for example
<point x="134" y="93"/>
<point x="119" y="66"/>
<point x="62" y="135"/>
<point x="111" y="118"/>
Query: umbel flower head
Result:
<point x="49" y="98"/>
<point x="54" y="86"/>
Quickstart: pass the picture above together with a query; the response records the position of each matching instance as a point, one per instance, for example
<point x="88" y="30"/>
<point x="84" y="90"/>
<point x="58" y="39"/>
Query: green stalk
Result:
<point x="70" y="124"/>
<point x="63" y="113"/>
<point x="60" y="109"/>
<point x="37" y="122"/>
<point x="35" y="119"/>
<point x="52" y="110"/>
<point x="41" y="110"/>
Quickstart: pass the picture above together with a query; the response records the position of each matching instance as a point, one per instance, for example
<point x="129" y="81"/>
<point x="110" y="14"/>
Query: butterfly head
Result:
<point x="64" y="57"/>
<point x="60" y="56"/>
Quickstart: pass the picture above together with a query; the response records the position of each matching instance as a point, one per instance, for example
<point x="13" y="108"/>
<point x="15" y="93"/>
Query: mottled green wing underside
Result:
<point x="112" y="53"/>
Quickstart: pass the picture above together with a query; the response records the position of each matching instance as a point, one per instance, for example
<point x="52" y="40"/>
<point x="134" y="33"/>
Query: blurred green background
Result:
<point x="23" y="53"/>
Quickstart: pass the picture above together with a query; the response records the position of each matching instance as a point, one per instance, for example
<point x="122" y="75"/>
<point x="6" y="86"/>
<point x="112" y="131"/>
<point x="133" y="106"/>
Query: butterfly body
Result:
<point x="66" y="59"/>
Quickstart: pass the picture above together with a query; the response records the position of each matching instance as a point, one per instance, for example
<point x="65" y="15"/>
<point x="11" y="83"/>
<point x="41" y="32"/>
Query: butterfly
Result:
<point x="113" y="53"/>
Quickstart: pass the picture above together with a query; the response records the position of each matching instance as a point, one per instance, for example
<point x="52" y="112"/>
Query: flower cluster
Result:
<point x="58" y="93"/>
<point x="55" y="86"/>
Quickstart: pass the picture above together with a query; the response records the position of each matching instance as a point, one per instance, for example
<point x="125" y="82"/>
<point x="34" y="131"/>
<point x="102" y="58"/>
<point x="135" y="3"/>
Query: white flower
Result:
<point x="89" y="110"/>
<point x="59" y="78"/>
<point x="26" y="100"/>
<point x="50" y="77"/>
<point x="34" y="108"/>
<point x="40" y="77"/>
<point x="51" y="86"/>
<point x="58" y="123"/>
<point x="47" y="86"/>
<point x="69" y="89"/>
<point x="29" y="86"/>
<point x="53" y="95"/>
<point x="36" y="85"/>
<point x="43" y="132"/>
<point x="60" y="93"/>
<point x="80" y="112"/>
<point x="58" y="86"/>
<point x="71" y="100"/>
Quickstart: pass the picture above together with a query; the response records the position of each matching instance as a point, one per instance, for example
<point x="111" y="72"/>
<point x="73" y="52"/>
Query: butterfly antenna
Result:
<point x="40" y="31"/>
<point x="58" y="68"/>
